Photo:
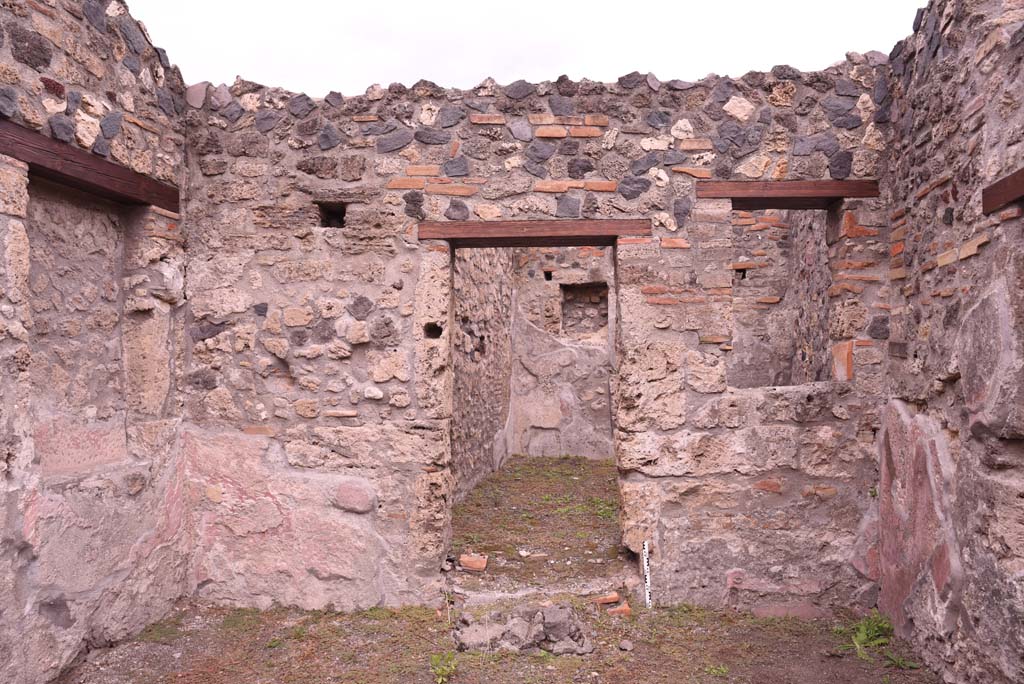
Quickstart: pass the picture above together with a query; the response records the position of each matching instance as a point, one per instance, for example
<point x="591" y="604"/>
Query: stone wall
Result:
<point x="291" y="401"/>
<point x="951" y="512"/>
<point x="563" y="343"/>
<point x="482" y="296"/>
<point x="94" y="543"/>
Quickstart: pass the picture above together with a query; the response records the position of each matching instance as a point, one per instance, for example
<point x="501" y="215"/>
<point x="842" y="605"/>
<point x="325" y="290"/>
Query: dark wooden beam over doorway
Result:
<point x="753" y="195"/>
<point x="555" y="233"/>
<point x="63" y="163"/>
<point x="1002" y="192"/>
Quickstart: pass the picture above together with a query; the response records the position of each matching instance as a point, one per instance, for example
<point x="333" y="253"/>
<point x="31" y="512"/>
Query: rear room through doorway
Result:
<point x="532" y="445"/>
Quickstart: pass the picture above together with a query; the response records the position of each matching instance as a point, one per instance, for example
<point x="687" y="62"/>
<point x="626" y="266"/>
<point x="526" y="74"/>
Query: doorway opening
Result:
<point x="532" y="426"/>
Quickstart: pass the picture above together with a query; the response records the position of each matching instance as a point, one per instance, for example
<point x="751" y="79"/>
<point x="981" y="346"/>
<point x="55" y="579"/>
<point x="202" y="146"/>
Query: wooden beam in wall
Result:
<point x="556" y="233"/>
<point x="63" y="163"/>
<point x="753" y="195"/>
<point x="1002" y="192"/>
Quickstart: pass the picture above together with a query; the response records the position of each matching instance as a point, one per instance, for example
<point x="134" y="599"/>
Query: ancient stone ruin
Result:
<point x="233" y="368"/>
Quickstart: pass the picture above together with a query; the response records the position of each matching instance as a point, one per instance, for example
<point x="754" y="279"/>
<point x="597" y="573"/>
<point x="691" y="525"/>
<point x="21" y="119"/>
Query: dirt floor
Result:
<point x="550" y="530"/>
<point x="545" y="524"/>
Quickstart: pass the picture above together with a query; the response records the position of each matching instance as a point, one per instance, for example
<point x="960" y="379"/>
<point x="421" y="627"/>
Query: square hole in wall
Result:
<point x="584" y="308"/>
<point x="332" y="214"/>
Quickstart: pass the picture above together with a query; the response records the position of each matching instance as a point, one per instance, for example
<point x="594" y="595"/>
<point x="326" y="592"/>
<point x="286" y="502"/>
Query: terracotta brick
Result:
<point x="653" y="289"/>
<point x="365" y="118"/>
<point x="550" y="132"/>
<point x="634" y="240"/>
<point x="694" y="171"/>
<point x="544" y="119"/>
<point x="927" y="189"/>
<point x="897" y="274"/>
<point x="746" y="265"/>
<point x="623" y="611"/>
<point x="768" y="300"/>
<point x="595" y="120"/>
<point x="897" y="234"/>
<point x="970" y="248"/>
<point x="713" y="339"/>
<point x="851" y="265"/>
<point x="585" y="132"/>
<point x="696" y="145"/>
<point x="487" y="119"/>
<point x="896" y="249"/>
<point x="551" y="186"/>
<point x="407" y="183"/>
<point x="607" y="599"/>
<point x="473" y="562"/>
<point x="674" y="243"/>
<point x="948" y="257"/>
<point x="456" y="190"/>
<point x="423" y="170"/>
<point x="899" y="213"/>
<point x="852" y="229"/>
<point x="662" y="301"/>
<point x="601" y="185"/>
<point x="839" y="288"/>
<point x="771" y="484"/>
<point x="842" y="361"/>
<point x="264" y="430"/>
<point x="1011" y="213"/>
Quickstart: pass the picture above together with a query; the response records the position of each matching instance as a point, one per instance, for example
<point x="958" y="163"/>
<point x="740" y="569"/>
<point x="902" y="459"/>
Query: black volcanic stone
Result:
<point x="878" y="328"/>
<point x="453" y="168"/>
<point x="840" y="164"/>
<point x="449" y="115"/>
<point x="133" y="35"/>
<point x="561" y="105"/>
<point x="360" y="307"/>
<point x="132" y="63"/>
<point x="681" y="210"/>
<point x="673" y="157"/>
<point x="569" y="147"/>
<point x="73" y="102"/>
<point x="539" y="151"/>
<point x="28" y="47"/>
<point x="300" y="106"/>
<point x="110" y="125"/>
<point x="233" y="112"/>
<point x="580" y="167"/>
<point x="329" y="137"/>
<point x="659" y="119"/>
<point x="568" y="207"/>
<point x="566" y="87"/>
<point x="784" y="72"/>
<point x="8" y="102"/>
<point x="632" y="187"/>
<point x="433" y="136"/>
<point x="519" y="90"/>
<point x="266" y="119"/>
<point x="392" y="142"/>
<point x="457" y="211"/>
<point x="334" y="98"/>
<point x="101" y="146"/>
<point x="62" y="128"/>
<point x="95" y="14"/>
<point x="846" y="87"/>
<point x="380" y="127"/>
<point x="535" y="169"/>
<point x="644" y="164"/>
<point x="632" y="80"/>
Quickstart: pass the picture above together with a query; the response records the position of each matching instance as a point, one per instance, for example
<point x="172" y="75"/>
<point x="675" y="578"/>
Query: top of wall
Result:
<point x="86" y="73"/>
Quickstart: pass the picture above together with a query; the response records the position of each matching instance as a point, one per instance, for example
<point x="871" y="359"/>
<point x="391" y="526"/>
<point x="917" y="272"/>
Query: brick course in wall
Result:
<point x="304" y="388"/>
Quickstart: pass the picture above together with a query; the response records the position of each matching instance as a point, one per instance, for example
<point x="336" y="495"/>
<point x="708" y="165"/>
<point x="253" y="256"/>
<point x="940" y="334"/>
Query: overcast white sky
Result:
<point x="315" y="46"/>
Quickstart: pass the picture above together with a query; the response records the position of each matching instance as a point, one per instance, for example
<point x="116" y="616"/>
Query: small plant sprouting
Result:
<point x="871" y="631"/>
<point x="717" y="670"/>
<point x="442" y="666"/>
<point x="899" y="662"/>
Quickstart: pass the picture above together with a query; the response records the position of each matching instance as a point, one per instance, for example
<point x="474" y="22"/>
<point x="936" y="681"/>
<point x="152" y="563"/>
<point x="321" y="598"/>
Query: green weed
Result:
<point x="443" y="666"/>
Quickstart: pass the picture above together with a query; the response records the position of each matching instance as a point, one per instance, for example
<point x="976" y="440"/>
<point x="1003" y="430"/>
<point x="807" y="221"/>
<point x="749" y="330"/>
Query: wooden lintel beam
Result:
<point x="753" y="195"/>
<point x="63" y="163"/>
<point x="1004" y="191"/>
<point x="543" y="233"/>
